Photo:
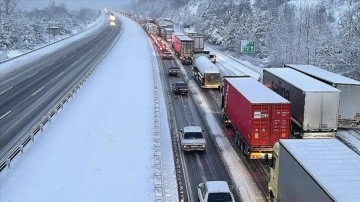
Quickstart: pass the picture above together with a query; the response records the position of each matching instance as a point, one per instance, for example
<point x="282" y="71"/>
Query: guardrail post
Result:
<point x="7" y="162"/>
<point x="21" y="148"/>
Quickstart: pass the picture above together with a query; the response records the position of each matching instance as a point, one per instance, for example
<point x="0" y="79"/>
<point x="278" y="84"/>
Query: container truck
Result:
<point x="168" y="33"/>
<point x="190" y="33"/>
<point x="349" y="105"/>
<point x="314" y="104"/>
<point x="183" y="47"/>
<point x="151" y="29"/>
<point x="314" y="170"/>
<point x="206" y="73"/>
<point x="257" y="116"/>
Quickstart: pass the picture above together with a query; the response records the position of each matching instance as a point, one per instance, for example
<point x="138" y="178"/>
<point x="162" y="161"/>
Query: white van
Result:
<point x="214" y="191"/>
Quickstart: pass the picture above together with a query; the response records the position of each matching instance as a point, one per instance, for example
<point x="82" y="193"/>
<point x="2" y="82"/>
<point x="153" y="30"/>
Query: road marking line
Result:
<point x="5" y="114"/>
<point x="60" y="74"/>
<point x="37" y="91"/>
<point x="6" y="90"/>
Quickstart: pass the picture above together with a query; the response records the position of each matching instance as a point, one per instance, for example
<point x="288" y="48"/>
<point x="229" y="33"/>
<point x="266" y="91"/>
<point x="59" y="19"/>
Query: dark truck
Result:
<point x="180" y="88"/>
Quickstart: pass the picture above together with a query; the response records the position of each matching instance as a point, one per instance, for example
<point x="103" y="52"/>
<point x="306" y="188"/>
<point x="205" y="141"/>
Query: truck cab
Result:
<point x="214" y="191"/>
<point x="192" y="138"/>
<point x="212" y="57"/>
<point x="274" y="174"/>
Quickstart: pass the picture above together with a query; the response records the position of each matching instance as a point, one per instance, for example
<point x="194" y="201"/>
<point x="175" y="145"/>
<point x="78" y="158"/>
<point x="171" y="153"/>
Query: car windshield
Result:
<point x="181" y="84"/>
<point x="193" y="135"/>
<point x="219" y="197"/>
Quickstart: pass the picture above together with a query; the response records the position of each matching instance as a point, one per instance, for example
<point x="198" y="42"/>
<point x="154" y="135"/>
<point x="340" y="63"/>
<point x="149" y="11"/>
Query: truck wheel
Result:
<point x="226" y="121"/>
<point x="242" y="147"/>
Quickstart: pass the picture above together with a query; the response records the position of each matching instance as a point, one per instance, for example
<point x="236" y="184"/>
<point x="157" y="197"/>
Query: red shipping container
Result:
<point x="258" y="116"/>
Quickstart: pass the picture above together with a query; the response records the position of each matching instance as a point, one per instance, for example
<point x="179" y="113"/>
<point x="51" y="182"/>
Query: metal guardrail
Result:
<point x="5" y="162"/>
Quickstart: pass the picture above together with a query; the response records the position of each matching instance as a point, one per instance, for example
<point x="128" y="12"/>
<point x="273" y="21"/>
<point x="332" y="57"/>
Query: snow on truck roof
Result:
<point x="184" y="38"/>
<point x="323" y="74"/>
<point x="301" y="81"/>
<point x="255" y="91"/>
<point x="204" y="65"/>
<point x="331" y="163"/>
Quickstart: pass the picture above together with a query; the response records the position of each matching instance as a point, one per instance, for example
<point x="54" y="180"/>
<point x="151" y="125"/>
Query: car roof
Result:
<point x="192" y="129"/>
<point x="217" y="186"/>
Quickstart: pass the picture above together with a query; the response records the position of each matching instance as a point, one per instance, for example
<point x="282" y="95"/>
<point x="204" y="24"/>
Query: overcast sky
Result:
<point x="72" y="4"/>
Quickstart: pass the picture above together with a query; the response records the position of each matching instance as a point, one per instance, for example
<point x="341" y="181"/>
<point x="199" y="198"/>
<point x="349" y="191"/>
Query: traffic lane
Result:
<point x="198" y="166"/>
<point x="24" y="116"/>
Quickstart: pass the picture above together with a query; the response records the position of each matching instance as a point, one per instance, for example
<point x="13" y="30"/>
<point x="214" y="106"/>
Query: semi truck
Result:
<point x="168" y="32"/>
<point x="349" y="106"/>
<point x="206" y="73"/>
<point x="314" y="170"/>
<point x="257" y="116"/>
<point x="183" y="47"/>
<point x="198" y="44"/>
<point x="151" y="29"/>
<point x="190" y="33"/>
<point x="314" y="104"/>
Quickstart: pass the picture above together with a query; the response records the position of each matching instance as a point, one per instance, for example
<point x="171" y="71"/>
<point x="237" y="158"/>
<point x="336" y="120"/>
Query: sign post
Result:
<point x="54" y="28"/>
<point x="247" y="46"/>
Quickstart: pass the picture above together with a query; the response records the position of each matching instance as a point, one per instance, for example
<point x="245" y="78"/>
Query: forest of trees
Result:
<point x="21" y="29"/>
<point x="325" y="34"/>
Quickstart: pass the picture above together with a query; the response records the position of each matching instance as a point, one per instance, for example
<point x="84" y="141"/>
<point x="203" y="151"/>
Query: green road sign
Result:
<point x="247" y="46"/>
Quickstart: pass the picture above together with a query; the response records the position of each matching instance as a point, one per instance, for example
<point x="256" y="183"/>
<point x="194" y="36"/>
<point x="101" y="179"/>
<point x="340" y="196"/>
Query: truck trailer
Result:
<point x="190" y="33"/>
<point x="349" y="106"/>
<point x="198" y="44"/>
<point x="314" y="170"/>
<point x="183" y="47"/>
<point x="314" y="104"/>
<point x="168" y="33"/>
<point x="206" y="73"/>
<point x="151" y="29"/>
<point x="257" y="116"/>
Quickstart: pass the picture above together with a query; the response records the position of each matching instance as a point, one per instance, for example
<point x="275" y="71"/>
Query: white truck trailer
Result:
<point x="314" y="104"/>
<point x="206" y="73"/>
<point x="314" y="170"/>
<point x="349" y="106"/>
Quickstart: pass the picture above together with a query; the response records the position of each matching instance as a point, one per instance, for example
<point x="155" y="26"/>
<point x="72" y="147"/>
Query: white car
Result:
<point x="218" y="191"/>
<point x="192" y="138"/>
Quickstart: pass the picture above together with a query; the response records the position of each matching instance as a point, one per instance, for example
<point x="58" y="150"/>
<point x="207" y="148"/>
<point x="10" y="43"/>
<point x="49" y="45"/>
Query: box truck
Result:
<point x="314" y="104"/>
<point x="349" y="105"/>
<point x="314" y="170"/>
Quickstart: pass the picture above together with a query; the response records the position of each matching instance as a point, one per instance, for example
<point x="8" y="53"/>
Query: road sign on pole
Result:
<point x="247" y="46"/>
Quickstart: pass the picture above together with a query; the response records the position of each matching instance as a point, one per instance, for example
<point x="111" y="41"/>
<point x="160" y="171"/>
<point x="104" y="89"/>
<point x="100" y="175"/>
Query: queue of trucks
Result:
<point x="302" y="100"/>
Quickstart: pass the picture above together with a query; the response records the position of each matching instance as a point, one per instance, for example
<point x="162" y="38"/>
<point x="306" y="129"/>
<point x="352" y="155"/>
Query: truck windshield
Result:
<point x="219" y="197"/>
<point x="193" y="135"/>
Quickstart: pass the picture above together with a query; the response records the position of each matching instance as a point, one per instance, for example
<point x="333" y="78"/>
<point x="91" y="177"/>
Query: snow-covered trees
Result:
<point x="321" y="33"/>
<point x="27" y="29"/>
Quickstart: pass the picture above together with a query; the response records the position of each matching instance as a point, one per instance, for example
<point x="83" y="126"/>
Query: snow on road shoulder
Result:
<point x="242" y="181"/>
<point x="100" y="146"/>
<point x="11" y="65"/>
